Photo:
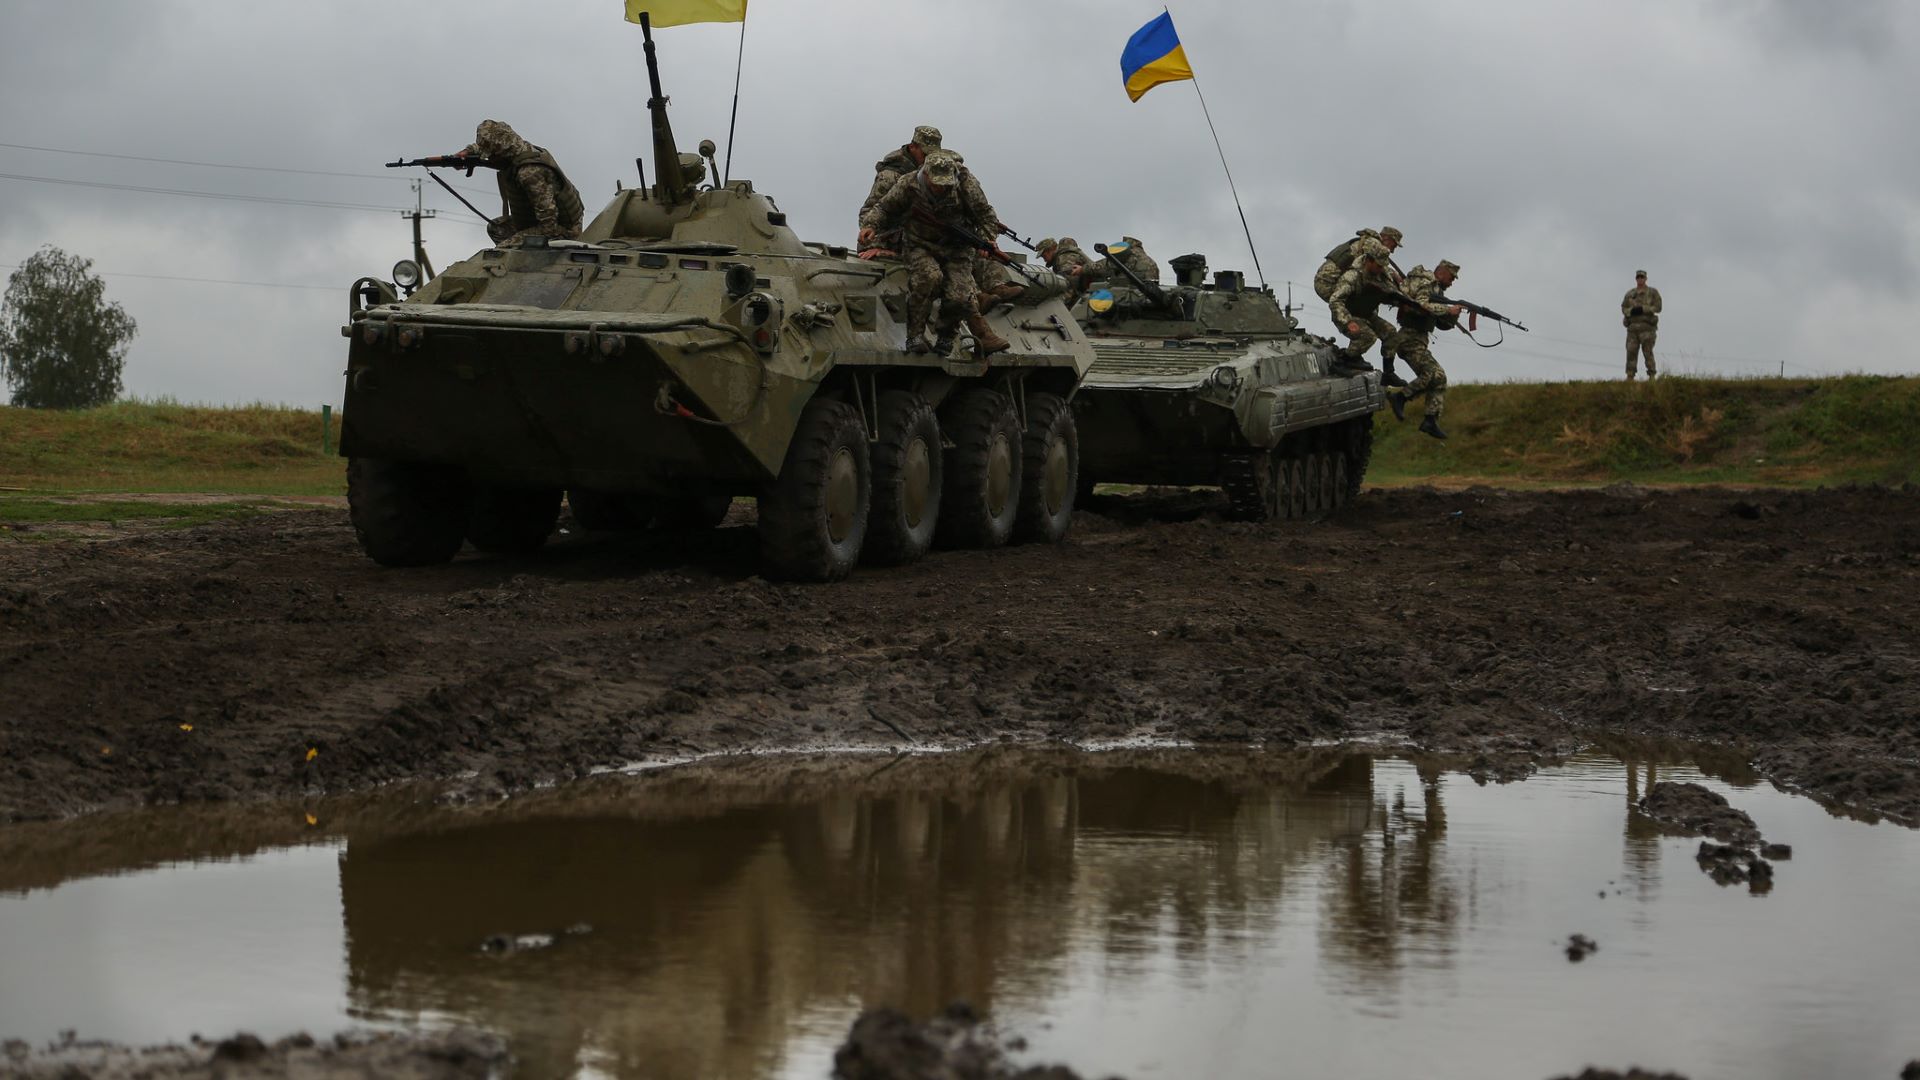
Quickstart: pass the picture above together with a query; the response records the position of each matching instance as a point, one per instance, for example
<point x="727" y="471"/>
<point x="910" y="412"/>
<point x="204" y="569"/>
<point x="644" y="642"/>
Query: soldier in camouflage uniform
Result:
<point x="1133" y="255"/>
<point x="1640" y="314"/>
<point x="1064" y="257"/>
<point x="932" y="207"/>
<point x="1418" y="320"/>
<point x="1355" y="302"/>
<point x="1381" y="245"/>
<point x="536" y="198"/>
<point x="888" y="171"/>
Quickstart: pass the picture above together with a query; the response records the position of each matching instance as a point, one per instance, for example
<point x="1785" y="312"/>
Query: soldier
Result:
<point x="943" y="214"/>
<point x="1381" y="244"/>
<point x="888" y="171"/>
<point x="1355" y="302"/>
<point x="1418" y="320"/>
<point x="1132" y="254"/>
<point x="1640" y="314"/>
<point x="992" y="282"/>
<point x="536" y="197"/>
<point x="1064" y="257"/>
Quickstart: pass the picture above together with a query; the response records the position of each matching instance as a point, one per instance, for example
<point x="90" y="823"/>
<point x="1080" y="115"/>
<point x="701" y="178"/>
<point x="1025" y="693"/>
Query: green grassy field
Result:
<point x="1791" y="432"/>
<point x="1794" y="432"/>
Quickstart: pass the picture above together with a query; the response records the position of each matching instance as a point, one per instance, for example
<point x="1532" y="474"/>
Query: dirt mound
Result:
<point x="270" y="658"/>
<point x="884" y="1044"/>
<point x="452" y="1055"/>
<point x="1695" y="811"/>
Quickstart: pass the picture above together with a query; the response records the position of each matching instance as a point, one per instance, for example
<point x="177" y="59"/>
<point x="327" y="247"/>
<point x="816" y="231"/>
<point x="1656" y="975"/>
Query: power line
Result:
<point x="203" y="194"/>
<point x="211" y="164"/>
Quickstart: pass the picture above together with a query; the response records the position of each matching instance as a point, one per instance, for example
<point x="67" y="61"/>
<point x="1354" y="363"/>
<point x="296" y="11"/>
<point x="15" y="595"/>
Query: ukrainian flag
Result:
<point x="1153" y="56"/>
<point x="682" y="12"/>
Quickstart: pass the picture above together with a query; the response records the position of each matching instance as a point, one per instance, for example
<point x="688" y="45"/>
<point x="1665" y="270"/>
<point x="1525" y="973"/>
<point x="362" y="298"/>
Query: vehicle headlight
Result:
<point x="1226" y="378"/>
<point x="406" y="273"/>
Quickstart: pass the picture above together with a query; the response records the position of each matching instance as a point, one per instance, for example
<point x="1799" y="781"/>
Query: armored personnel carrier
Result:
<point x="1214" y="383"/>
<point x="690" y="348"/>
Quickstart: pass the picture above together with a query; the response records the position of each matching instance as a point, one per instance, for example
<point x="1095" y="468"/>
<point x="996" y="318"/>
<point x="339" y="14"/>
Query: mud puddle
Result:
<point x="1140" y="914"/>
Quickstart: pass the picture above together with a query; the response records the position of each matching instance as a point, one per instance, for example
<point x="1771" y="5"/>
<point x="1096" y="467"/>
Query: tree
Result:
<point x="62" y="343"/>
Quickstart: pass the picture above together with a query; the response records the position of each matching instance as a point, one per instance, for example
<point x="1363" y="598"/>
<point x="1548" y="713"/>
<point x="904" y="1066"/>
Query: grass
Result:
<point x="31" y="511"/>
<point x="1787" y="432"/>
<point x="163" y="446"/>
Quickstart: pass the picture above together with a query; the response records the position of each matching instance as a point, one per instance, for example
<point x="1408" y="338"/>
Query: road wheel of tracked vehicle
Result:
<point x="1316" y="484"/>
<point x="512" y="521"/>
<point x="1050" y="467"/>
<point x="1296" y="489"/>
<point x="1359" y="453"/>
<point x="813" y="517"/>
<point x="1341" y="492"/>
<point x="1279" y="488"/>
<point x="406" y="514"/>
<point x="981" y="496"/>
<point x="1329" y="483"/>
<point x="907" y="471"/>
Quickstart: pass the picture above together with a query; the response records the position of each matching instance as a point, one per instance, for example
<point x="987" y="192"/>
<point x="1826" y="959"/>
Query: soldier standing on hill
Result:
<point x="1355" y="302"/>
<point x="1640" y="314"/>
<point x="1427" y="312"/>
<point x="942" y="212"/>
<point x="536" y="197"/>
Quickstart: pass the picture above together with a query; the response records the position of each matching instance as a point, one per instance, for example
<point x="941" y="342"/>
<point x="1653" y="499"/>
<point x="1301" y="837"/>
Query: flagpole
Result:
<point x="738" y="62"/>
<point x="1208" y="113"/>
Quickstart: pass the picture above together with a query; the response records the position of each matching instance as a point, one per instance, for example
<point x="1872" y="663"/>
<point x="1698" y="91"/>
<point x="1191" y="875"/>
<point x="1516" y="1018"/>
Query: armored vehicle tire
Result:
<point x="1050" y="463"/>
<point x="407" y="514"/>
<point x="907" y="470"/>
<point x="512" y="521"/>
<point x="813" y="517"/>
<point x="981" y="495"/>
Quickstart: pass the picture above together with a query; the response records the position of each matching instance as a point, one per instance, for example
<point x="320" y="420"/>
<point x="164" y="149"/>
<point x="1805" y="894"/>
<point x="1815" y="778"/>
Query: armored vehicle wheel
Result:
<point x="813" y="517"/>
<point x="407" y="514"/>
<point x="512" y="521"/>
<point x="1296" y="488"/>
<point x="1341" y="492"/>
<point x="1050" y="471"/>
<point x="981" y="496"/>
<point x="907" y="470"/>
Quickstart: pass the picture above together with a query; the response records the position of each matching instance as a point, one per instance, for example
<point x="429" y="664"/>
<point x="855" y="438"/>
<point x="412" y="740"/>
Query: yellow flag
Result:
<point x="682" y="12"/>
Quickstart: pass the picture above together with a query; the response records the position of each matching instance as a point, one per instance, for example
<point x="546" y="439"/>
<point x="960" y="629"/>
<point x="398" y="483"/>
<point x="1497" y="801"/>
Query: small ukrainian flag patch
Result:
<point x="1100" y="301"/>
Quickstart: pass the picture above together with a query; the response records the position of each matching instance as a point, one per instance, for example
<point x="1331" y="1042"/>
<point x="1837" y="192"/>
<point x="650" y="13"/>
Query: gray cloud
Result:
<point x="1755" y="156"/>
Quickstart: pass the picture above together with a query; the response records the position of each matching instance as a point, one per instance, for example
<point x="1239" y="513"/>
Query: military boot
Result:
<point x="1399" y="403"/>
<point x="1432" y="427"/>
<point x="984" y="338"/>
<point x="917" y="328"/>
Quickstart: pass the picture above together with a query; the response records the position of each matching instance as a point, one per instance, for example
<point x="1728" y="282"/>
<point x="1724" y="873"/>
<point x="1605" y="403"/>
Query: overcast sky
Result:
<point x="1757" y="157"/>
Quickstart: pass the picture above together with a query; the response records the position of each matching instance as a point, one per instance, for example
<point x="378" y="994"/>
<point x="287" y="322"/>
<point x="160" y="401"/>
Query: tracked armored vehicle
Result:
<point x="1214" y="383"/>
<point x="690" y="348"/>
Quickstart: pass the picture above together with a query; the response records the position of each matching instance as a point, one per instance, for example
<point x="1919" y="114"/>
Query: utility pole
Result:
<point x="418" y="214"/>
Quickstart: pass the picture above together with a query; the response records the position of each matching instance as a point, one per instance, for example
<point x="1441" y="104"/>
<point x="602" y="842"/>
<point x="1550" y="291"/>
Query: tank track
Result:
<point x="1246" y="478"/>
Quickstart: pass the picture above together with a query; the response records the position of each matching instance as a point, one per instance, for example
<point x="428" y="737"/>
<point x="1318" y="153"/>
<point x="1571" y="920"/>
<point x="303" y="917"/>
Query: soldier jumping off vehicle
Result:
<point x="943" y="215"/>
<point x="888" y="170"/>
<point x="1424" y="309"/>
<point x="1381" y="245"/>
<point x="536" y="198"/>
<point x="1355" y="302"/>
<point x="1640" y="314"/>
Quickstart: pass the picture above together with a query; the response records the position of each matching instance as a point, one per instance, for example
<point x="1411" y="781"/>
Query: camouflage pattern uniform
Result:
<point x="939" y="262"/>
<point x="1067" y="259"/>
<point x="1356" y="298"/>
<point x="888" y="171"/>
<point x="1641" y="328"/>
<point x="1348" y="254"/>
<point x="1417" y="324"/>
<point x="536" y="198"/>
<point x="1133" y="255"/>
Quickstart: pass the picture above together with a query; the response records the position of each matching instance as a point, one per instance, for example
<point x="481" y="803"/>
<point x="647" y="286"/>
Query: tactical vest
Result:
<point x="1420" y="319"/>
<point x="931" y="218"/>
<point x="520" y="212"/>
<point x="1344" y="255"/>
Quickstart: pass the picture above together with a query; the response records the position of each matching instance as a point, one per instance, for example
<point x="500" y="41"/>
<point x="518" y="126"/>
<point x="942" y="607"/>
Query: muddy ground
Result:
<point x="268" y="658"/>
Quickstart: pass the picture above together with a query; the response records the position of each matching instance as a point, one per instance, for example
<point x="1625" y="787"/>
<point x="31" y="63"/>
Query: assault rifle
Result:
<point x="448" y="161"/>
<point x="988" y="246"/>
<point x="1479" y="310"/>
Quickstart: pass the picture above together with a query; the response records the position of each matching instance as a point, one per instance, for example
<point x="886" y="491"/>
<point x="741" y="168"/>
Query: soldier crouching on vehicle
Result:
<point x="536" y="197"/>
<point x="1132" y="254"/>
<point x="1064" y="257"/>
<point x="1355" y="302"/>
<point x="943" y="214"/>
<point x="888" y="171"/>
<point x="1427" y="311"/>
